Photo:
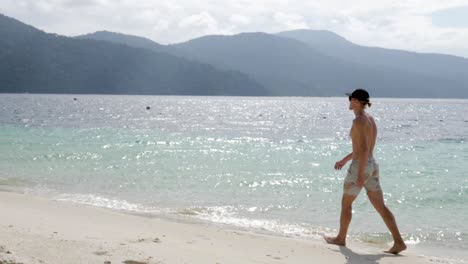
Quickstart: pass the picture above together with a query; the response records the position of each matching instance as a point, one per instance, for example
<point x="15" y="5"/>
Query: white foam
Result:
<point x="99" y="201"/>
<point x="227" y="215"/>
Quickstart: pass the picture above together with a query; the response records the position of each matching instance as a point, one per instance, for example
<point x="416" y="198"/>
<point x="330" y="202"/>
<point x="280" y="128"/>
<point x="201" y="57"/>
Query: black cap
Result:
<point x="359" y="94"/>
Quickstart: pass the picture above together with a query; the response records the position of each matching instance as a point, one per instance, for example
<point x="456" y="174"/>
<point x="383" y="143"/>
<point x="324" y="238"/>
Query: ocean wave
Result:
<point x="453" y="140"/>
<point x="227" y="215"/>
<point x="232" y="216"/>
<point x="111" y="203"/>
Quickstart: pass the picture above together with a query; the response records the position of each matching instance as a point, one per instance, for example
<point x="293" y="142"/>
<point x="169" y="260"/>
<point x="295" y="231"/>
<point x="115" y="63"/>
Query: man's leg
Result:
<point x="377" y="201"/>
<point x="345" y="220"/>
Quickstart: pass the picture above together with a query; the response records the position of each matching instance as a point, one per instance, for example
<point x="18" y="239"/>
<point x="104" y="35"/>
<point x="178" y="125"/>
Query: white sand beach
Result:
<point x="37" y="230"/>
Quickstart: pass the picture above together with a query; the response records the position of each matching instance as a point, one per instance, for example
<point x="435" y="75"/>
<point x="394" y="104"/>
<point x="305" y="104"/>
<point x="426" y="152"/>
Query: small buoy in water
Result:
<point x="74" y="99"/>
<point x="148" y="108"/>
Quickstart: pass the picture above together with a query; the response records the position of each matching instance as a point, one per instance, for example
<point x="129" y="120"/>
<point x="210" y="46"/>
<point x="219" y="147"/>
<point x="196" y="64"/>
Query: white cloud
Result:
<point x="161" y="25"/>
<point x="240" y="20"/>
<point x="290" y="21"/>
<point x="80" y="3"/>
<point x="387" y="23"/>
<point x="202" y="20"/>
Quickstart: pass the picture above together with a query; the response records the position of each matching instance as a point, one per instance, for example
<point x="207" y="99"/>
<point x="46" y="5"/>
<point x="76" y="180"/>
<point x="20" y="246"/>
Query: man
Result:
<point x="363" y="172"/>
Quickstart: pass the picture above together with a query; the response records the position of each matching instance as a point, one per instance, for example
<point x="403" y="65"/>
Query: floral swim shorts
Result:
<point x="371" y="178"/>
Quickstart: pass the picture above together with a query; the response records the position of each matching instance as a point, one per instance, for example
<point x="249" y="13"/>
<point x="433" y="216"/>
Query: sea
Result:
<point x="262" y="164"/>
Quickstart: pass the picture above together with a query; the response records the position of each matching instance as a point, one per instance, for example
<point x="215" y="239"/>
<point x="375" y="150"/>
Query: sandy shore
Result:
<point x="37" y="230"/>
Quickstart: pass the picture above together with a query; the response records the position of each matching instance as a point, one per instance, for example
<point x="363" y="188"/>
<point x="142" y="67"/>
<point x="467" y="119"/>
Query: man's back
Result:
<point x="363" y="131"/>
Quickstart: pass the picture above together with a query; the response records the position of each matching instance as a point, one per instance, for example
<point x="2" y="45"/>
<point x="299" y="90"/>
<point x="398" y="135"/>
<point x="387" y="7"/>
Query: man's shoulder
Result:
<point x="360" y="120"/>
<point x="363" y="121"/>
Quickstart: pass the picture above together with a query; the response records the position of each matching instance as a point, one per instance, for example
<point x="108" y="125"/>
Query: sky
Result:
<point x="433" y="26"/>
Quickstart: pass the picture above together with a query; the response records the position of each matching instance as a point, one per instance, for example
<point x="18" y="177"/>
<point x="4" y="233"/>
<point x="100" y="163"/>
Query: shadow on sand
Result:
<point x="357" y="258"/>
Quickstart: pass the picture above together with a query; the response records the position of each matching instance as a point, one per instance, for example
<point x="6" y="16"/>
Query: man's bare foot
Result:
<point x="334" y="241"/>
<point x="397" y="248"/>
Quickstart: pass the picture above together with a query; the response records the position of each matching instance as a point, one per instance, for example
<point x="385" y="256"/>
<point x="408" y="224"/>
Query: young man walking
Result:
<point x="363" y="172"/>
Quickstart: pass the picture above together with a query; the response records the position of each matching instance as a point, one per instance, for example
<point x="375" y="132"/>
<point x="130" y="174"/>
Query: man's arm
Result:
<point x="348" y="157"/>
<point x="340" y="164"/>
<point x="363" y="146"/>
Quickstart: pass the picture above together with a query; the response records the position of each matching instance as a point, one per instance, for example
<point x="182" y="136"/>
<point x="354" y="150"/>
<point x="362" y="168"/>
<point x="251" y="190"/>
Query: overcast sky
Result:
<point x="418" y="25"/>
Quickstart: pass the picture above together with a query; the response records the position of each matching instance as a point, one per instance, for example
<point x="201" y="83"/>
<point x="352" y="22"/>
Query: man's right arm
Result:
<point x="348" y="157"/>
<point x="340" y="164"/>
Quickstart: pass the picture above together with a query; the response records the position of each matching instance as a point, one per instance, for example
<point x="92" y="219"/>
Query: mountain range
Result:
<point x="291" y="63"/>
<point x="36" y="62"/>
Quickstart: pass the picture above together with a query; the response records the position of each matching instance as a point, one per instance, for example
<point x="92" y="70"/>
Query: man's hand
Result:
<point x="340" y="164"/>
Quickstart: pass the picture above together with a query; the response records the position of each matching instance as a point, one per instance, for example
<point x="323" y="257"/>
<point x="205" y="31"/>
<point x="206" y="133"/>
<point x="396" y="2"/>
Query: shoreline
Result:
<point x="39" y="230"/>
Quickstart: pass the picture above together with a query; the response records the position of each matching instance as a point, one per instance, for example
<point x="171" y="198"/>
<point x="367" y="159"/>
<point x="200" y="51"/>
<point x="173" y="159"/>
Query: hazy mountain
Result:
<point x="34" y="61"/>
<point x="319" y="39"/>
<point x="129" y="40"/>
<point x="323" y="63"/>
<point x="134" y="41"/>
<point x="290" y="67"/>
<point x="443" y="66"/>
<point x="298" y="63"/>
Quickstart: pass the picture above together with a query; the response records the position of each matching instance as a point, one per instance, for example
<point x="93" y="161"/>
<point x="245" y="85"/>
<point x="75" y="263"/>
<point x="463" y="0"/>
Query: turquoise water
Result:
<point x="259" y="163"/>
